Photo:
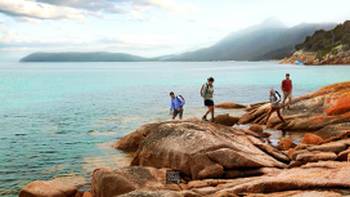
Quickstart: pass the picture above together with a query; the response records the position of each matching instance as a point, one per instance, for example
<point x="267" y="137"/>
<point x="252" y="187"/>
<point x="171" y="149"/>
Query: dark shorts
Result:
<point x="208" y="103"/>
<point x="178" y="112"/>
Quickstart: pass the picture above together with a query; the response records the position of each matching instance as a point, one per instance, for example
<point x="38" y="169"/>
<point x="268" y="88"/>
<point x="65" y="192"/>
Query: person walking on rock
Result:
<point x="207" y="93"/>
<point x="287" y="88"/>
<point x="176" y="105"/>
<point x="275" y="99"/>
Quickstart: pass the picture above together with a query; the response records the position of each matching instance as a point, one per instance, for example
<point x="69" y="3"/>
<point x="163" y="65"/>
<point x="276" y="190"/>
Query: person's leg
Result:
<point x="175" y="114"/>
<point x="289" y="99"/>
<point x="181" y="113"/>
<point x="212" y="113"/>
<point x="207" y="104"/>
<point x="285" y="96"/>
<point x="279" y="115"/>
<point x="206" y="113"/>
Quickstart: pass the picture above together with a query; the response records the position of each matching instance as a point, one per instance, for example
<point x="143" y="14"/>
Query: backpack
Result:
<point x="277" y="96"/>
<point x="203" y="90"/>
<point x="181" y="100"/>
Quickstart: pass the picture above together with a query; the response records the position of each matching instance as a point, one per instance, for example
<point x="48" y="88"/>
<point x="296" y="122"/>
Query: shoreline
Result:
<point x="168" y="145"/>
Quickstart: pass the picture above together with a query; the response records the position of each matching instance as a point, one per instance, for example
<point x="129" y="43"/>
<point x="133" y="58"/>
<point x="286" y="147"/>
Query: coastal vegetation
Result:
<point x="324" y="47"/>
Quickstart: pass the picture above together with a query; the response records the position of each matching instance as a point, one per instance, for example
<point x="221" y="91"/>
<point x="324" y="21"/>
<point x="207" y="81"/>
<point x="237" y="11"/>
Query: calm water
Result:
<point x="60" y="118"/>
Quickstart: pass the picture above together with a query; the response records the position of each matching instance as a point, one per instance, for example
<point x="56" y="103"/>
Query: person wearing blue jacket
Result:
<point x="176" y="105"/>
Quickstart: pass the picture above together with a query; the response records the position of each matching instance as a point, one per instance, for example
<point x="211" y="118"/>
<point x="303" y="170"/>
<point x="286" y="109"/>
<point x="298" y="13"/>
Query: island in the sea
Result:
<point x="82" y="57"/>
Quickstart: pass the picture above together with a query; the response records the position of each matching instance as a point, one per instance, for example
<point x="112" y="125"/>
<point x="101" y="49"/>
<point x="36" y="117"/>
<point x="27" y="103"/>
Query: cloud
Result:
<point x="122" y="6"/>
<point x="79" y="9"/>
<point x="170" y="5"/>
<point x="38" y="10"/>
<point x="112" y="6"/>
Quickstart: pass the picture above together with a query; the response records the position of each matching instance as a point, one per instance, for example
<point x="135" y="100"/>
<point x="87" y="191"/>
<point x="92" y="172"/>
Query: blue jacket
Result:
<point x="177" y="103"/>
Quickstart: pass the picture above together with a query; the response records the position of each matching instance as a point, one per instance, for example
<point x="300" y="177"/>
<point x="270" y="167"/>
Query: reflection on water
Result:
<point x="57" y="118"/>
<point x="101" y="133"/>
<point x="276" y="135"/>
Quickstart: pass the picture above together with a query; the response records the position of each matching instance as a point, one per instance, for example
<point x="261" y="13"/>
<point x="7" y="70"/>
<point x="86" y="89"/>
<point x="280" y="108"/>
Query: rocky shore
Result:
<point x="336" y="57"/>
<point x="226" y="159"/>
<point x="324" y="47"/>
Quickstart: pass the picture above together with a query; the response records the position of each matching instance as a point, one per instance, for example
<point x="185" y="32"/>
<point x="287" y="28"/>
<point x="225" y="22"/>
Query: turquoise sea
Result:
<point x="60" y="118"/>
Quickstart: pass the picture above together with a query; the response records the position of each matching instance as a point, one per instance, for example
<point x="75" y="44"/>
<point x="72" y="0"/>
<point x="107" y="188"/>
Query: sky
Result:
<point x="145" y="27"/>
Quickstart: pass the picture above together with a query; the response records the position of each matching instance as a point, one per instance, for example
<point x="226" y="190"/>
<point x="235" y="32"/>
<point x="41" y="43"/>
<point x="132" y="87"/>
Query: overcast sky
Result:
<point x="146" y="27"/>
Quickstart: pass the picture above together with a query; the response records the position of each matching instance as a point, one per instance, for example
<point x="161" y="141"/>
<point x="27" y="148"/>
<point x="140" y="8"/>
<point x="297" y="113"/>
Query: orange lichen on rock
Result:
<point x="335" y="87"/>
<point x="291" y="152"/>
<point x="318" y="119"/>
<point x="341" y="106"/>
<point x="285" y="144"/>
<point x="310" y="138"/>
<point x="256" y="128"/>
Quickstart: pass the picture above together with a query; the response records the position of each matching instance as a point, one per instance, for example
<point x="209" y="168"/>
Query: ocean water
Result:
<point x="60" y="119"/>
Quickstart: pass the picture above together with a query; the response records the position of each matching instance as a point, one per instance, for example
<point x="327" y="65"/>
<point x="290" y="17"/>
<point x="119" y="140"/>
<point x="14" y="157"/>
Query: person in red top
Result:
<point x="287" y="88"/>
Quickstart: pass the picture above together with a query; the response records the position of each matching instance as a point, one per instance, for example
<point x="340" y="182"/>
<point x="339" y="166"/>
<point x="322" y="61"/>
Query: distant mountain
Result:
<point x="324" y="47"/>
<point x="82" y="57"/>
<point x="269" y="40"/>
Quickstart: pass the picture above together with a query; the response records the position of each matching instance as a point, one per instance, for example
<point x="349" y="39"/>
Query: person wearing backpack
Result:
<point x="275" y="99"/>
<point x="176" y="105"/>
<point x="207" y="93"/>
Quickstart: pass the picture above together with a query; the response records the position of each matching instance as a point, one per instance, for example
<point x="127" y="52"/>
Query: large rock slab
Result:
<point x="162" y="193"/>
<point x="226" y="119"/>
<point x="199" y="149"/>
<point x="131" y="142"/>
<point x="107" y="182"/>
<point x="299" y="193"/>
<point x="316" y="179"/>
<point x="321" y="176"/>
<point x="327" y="107"/>
<point x="59" y="187"/>
<point x="229" y="105"/>
<point x="335" y="148"/>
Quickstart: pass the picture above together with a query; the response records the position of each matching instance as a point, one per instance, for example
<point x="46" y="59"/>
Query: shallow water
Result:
<point x="59" y="118"/>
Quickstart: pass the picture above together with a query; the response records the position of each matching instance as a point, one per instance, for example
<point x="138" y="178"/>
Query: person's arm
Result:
<point x="172" y="106"/>
<point x="203" y="89"/>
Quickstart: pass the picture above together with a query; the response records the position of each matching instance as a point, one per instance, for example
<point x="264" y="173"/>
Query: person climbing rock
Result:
<point x="176" y="105"/>
<point x="275" y="99"/>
